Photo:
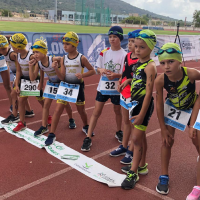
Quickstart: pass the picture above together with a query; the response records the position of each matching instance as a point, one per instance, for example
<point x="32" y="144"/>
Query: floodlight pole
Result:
<point x="55" y="12"/>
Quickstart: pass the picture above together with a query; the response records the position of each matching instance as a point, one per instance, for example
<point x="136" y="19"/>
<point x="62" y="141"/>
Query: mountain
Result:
<point x="39" y="6"/>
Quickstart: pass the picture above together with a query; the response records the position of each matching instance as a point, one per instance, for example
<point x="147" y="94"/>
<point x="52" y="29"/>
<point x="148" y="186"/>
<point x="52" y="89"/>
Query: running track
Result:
<point x="29" y="173"/>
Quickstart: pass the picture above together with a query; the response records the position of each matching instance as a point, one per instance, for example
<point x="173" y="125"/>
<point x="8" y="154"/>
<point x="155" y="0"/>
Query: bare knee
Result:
<point x="117" y="109"/>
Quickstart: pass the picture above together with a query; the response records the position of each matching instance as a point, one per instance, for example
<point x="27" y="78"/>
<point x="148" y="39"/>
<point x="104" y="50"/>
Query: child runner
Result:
<point x="18" y="42"/>
<point x="125" y="98"/>
<point x="72" y="72"/>
<point x="109" y="65"/>
<point x="144" y="74"/>
<point x="11" y="59"/>
<point x="179" y="83"/>
<point x="44" y="63"/>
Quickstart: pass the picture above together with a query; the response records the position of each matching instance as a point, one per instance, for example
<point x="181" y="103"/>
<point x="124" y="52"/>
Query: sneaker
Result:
<point x="20" y="126"/>
<point x="119" y="136"/>
<point x="29" y="114"/>
<point x="195" y="194"/>
<point x="49" y="120"/>
<point x="141" y="170"/>
<point x="85" y="130"/>
<point x="119" y="151"/>
<point x="72" y="124"/>
<point x="163" y="185"/>
<point x="50" y="140"/>
<point x="11" y="108"/>
<point x="11" y="119"/>
<point x="130" y="181"/>
<point x="42" y="130"/>
<point x="87" y="143"/>
<point x="127" y="158"/>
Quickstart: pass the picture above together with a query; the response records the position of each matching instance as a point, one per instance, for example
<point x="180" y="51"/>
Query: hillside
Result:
<point x="39" y="6"/>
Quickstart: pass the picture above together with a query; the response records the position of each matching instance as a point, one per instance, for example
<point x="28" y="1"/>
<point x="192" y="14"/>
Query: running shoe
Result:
<point x="20" y="126"/>
<point x="49" y="120"/>
<point x="11" y="119"/>
<point x="87" y="143"/>
<point x="127" y="158"/>
<point x="119" y="151"/>
<point x="50" y="139"/>
<point x="85" y="130"/>
<point x="29" y="114"/>
<point x="119" y="136"/>
<point x="195" y="194"/>
<point x="130" y="180"/>
<point x="163" y="185"/>
<point x="72" y="124"/>
<point x="141" y="170"/>
<point x="42" y="130"/>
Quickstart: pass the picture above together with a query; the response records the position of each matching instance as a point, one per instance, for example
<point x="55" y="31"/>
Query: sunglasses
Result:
<point x="17" y="42"/>
<point x="144" y="35"/>
<point x="169" y="51"/>
<point x="3" y="44"/>
<point x="67" y="39"/>
<point x="114" y="32"/>
<point x="37" y="47"/>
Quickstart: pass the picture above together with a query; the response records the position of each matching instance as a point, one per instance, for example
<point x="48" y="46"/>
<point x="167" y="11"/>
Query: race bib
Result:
<point x="109" y="87"/>
<point x="3" y="65"/>
<point x="68" y="92"/>
<point x="50" y="90"/>
<point x="29" y="88"/>
<point x="197" y="123"/>
<point x="174" y="117"/>
<point x="125" y="102"/>
<point x="131" y="109"/>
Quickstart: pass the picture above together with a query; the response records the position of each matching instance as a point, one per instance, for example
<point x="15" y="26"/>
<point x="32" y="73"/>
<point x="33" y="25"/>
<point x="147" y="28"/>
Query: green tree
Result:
<point x="135" y="20"/>
<point x="196" y="18"/>
<point x="6" y="13"/>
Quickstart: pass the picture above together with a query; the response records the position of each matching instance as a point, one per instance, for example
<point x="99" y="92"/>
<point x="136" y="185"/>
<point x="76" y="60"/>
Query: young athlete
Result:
<point x="179" y="82"/>
<point x="11" y="59"/>
<point x="72" y="72"/>
<point x="144" y="74"/>
<point x="109" y="65"/>
<point x="18" y="42"/>
<point x="44" y="63"/>
<point x="125" y="98"/>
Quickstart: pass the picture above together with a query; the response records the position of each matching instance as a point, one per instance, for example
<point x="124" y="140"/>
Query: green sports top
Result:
<point x="182" y="93"/>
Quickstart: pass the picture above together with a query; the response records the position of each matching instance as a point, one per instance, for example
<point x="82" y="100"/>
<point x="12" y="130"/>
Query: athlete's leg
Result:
<point x="68" y="109"/>
<point x="22" y="101"/>
<point x="82" y="113"/>
<point x="45" y="111"/>
<point x="14" y="102"/>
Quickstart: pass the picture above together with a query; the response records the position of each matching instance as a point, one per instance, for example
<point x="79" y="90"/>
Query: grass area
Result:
<point x="50" y="27"/>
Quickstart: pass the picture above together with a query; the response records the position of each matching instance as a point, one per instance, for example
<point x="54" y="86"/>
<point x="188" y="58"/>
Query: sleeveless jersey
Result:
<point x="73" y="66"/>
<point x="49" y="70"/>
<point x="11" y="63"/>
<point x="24" y="64"/>
<point x="182" y="93"/>
<point x="128" y="73"/>
<point x="138" y="84"/>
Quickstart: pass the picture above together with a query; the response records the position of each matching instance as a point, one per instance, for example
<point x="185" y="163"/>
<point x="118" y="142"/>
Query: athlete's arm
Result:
<point x="40" y="86"/>
<point x="58" y="59"/>
<point x="193" y="74"/>
<point x="33" y="69"/>
<point x="60" y="72"/>
<point x="13" y="56"/>
<point x="18" y="76"/>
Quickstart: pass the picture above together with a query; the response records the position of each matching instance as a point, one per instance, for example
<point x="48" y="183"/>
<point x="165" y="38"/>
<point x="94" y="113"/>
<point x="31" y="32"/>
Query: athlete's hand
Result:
<point x="17" y="89"/>
<point x="32" y="62"/>
<point x="122" y="86"/>
<point x="55" y="65"/>
<point x="110" y="75"/>
<point x="138" y="119"/>
<point x="79" y="76"/>
<point x="192" y="133"/>
<point x="102" y="71"/>
<point x="40" y="86"/>
<point x="167" y="137"/>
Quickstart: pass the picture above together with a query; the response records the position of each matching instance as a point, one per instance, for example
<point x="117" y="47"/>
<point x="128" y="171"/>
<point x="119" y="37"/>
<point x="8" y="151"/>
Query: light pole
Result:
<point x="55" y="12"/>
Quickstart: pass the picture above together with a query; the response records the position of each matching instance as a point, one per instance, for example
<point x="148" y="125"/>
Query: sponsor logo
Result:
<point x="85" y="167"/>
<point x="104" y="177"/>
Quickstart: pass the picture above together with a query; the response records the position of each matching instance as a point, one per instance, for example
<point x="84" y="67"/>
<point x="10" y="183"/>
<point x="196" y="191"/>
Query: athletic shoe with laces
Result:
<point x="119" y="151"/>
<point x="20" y="126"/>
<point x="195" y="194"/>
<point x="49" y="120"/>
<point x="127" y="159"/>
<point x="42" y="130"/>
<point x="119" y="136"/>
<point x="87" y="143"/>
<point x="11" y="119"/>
<point x="141" y="170"/>
<point x="163" y="185"/>
<point x="85" y="130"/>
<point x="50" y="139"/>
<point x="11" y="108"/>
<point x="72" y="124"/>
<point x="29" y="114"/>
<point x="130" y="180"/>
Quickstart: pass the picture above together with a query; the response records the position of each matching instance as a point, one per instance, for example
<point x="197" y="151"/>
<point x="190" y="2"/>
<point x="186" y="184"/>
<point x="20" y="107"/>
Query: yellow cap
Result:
<point x="19" y="41"/>
<point x="72" y="38"/>
<point x="3" y="41"/>
<point x="40" y="46"/>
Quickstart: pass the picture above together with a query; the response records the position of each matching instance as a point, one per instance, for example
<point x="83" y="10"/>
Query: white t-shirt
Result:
<point x="111" y="60"/>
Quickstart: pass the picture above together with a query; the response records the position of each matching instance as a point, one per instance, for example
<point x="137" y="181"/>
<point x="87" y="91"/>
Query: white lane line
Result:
<point x="63" y="171"/>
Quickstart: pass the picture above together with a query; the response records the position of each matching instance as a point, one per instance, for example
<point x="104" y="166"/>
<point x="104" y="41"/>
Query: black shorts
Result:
<point x="115" y="99"/>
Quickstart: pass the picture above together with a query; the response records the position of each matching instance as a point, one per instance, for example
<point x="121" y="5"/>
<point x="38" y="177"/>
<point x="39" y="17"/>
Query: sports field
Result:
<point x="59" y="28"/>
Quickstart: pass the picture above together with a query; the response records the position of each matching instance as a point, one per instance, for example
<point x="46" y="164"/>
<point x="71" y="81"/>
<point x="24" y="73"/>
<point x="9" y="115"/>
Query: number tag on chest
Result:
<point x="174" y="117"/>
<point x="50" y="90"/>
<point x="109" y="87"/>
<point x="197" y="123"/>
<point x="29" y="88"/>
<point x="125" y="102"/>
<point x="3" y="66"/>
<point x="68" y="92"/>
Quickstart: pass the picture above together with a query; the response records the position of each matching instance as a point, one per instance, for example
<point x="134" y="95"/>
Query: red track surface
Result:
<point x="29" y="173"/>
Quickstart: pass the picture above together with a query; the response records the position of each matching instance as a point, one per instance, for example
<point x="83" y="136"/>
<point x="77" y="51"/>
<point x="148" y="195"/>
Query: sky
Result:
<point x="178" y="9"/>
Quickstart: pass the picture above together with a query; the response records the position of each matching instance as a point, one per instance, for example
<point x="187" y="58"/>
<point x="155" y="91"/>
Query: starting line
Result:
<point x="76" y="160"/>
